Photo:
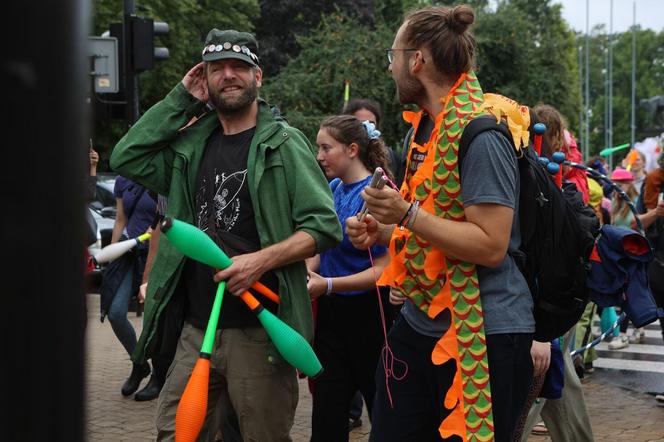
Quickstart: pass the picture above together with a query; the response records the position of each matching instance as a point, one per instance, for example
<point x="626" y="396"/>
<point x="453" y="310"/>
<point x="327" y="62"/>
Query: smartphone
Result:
<point x="660" y="198"/>
<point x="378" y="181"/>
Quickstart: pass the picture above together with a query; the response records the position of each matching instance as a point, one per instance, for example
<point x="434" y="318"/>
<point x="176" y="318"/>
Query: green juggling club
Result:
<point x="197" y="245"/>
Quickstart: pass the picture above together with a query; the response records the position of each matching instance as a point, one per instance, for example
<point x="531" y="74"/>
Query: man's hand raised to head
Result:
<point x="195" y="81"/>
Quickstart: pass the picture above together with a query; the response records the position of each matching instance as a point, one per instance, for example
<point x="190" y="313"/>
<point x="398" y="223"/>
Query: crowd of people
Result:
<point x="381" y="295"/>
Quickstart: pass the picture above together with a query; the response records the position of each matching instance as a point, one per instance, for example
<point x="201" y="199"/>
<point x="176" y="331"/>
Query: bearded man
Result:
<point x="463" y="337"/>
<point x="251" y="182"/>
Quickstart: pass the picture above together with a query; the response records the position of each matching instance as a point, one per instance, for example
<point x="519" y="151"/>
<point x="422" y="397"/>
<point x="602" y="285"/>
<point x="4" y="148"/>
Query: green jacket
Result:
<point x="288" y="190"/>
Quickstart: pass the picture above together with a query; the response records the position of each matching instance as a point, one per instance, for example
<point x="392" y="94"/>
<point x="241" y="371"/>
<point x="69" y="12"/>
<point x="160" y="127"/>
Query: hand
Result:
<point x="142" y="290"/>
<point x="541" y="354"/>
<point x="316" y="285"/>
<point x="195" y="81"/>
<point x="386" y="204"/>
<point x="659" y="210"/>
<point x="362" y="234"/>
<point x="94" y="160"/>
<point x="245" y="270"/>
<point x="396" y="296"/>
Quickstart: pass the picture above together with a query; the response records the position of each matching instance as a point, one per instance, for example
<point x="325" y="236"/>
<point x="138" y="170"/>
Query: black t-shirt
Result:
<point x="223" y="210"/>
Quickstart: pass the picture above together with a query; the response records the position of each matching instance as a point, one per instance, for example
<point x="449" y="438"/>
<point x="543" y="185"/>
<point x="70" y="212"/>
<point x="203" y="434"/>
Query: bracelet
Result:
<point x="411" y="220"/>
<point x="329" y="286"/>
<point x="400" y="223"/>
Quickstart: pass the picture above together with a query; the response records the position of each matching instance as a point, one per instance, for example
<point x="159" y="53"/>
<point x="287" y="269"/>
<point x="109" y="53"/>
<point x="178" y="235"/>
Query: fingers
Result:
<point x="141" y="292"/>
<point x="396" y="296"/>
<point x="196" y="71"/>
<point x="386" y="204"/>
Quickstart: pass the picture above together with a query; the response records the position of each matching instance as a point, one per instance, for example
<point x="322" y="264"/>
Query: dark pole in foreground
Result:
<point x="44" y="123"/>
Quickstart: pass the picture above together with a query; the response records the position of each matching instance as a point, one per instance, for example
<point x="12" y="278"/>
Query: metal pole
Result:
<point x="611" y="84"/>
<point x="586" y="144"/>
<point x="632" y="138"/>
<point x="131" y="81"/>
<point x="581" y="108"/>
<point x="606" y="93"/>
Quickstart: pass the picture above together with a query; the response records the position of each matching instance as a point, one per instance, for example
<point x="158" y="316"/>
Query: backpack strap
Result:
<point x="475" y="127"/>
<point x="407" y="138"/>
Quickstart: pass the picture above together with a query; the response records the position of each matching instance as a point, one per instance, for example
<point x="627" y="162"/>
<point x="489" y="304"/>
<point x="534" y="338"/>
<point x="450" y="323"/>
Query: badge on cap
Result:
<point x="236" y="48"/>
<point x="227" y="45"/>
<point x="218" y="48"/>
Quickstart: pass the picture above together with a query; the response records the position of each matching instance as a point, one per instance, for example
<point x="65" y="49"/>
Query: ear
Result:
<point x="416" y="62"/>
<point x="353" y="150"/>
<point x="259" y="77"/>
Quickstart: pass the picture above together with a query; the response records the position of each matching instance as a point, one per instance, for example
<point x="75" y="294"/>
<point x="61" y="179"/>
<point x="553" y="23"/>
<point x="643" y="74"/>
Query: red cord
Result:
<point x="386" y="353"/>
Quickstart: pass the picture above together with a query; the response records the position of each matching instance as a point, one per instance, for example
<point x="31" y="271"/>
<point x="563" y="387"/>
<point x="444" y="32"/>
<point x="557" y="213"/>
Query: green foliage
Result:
<point x="527" y="52"/>
<point x="649" y="83"/>
<point x="281" y="21"/>
<point x="311" y="86"/>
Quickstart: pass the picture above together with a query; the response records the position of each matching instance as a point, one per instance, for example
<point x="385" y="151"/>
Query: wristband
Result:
<point x="411" y="219"/>
<point x="329" y="286"/>
<point x="400" y="223"/>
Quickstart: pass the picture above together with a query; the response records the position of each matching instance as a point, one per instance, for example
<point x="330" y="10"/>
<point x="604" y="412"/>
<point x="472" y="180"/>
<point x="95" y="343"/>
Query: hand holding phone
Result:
<point x="378" y="181"/>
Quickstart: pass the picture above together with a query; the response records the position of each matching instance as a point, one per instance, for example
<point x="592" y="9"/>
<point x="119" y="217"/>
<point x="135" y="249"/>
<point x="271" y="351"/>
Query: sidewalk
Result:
<point x="616" y="414"/>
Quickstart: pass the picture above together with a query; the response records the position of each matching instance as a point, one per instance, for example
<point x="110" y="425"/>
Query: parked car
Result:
<point x="103" y="211"/>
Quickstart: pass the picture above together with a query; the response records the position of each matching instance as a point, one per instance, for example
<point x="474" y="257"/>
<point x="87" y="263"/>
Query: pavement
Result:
<point x="617" y="414"/>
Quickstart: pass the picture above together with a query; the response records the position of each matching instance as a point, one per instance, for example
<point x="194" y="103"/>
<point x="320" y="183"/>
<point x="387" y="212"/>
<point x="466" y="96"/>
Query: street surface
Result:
<point x="616" y="394"/>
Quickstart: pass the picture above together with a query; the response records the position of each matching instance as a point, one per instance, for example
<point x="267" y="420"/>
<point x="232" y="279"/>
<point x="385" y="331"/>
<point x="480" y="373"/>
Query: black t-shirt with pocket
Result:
<point x="224" y="211"/>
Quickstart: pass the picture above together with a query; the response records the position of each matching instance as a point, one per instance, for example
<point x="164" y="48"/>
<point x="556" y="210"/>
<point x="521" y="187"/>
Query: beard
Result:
<point x="237" y="103"/>
<point x="409" y="89"/>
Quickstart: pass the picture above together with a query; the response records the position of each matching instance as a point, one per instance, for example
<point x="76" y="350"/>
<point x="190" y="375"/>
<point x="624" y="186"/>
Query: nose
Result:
<point x="319" y="155"/>
<point x="228" y="72"/>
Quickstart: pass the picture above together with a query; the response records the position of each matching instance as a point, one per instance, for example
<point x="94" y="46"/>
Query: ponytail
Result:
<point x="347" y="129"/>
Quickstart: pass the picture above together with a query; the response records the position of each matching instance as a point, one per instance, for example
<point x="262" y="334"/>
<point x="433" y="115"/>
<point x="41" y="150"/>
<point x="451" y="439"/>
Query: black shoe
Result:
<point x="138" y="373"/>
<point x="354" y="423"/>
<point x="150" y="391"/>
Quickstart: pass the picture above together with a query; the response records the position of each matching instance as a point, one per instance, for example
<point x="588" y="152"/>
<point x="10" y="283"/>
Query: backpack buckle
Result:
<point x="541" y="199"/>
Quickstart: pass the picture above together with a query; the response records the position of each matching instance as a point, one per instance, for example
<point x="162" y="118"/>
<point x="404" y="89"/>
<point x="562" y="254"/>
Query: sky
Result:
<point x="649" y="13"/>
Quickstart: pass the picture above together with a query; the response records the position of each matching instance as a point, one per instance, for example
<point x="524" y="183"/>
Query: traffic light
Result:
<point x="143" y="50"/>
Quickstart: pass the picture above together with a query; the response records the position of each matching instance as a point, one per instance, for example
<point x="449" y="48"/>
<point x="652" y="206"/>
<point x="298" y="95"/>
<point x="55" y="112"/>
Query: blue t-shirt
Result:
<point x="140" y="214"/>
<point x="345" y="259"/>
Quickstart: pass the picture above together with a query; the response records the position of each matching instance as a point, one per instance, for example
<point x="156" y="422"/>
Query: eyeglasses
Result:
<point x="390" y="53"/>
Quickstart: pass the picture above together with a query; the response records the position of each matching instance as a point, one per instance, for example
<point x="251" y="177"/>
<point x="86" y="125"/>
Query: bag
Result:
<point x="558" y="231"/>
<point x="554" y="382"/>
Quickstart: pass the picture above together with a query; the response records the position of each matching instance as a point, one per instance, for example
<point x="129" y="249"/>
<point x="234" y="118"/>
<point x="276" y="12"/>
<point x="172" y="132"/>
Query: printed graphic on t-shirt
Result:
<point x="416" y="158"/>
<point x="226" y="204"/>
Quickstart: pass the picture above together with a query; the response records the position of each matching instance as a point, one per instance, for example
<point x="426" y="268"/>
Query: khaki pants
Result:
<point x="566" y="418"/>
<point x="263" y="395"/>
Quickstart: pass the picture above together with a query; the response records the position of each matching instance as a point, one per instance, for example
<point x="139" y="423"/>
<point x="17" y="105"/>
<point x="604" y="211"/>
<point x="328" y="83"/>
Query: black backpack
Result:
<point x="558" y="232"/>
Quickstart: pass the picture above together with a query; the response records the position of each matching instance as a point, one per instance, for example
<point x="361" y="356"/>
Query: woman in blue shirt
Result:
<point x="349" y="327"/>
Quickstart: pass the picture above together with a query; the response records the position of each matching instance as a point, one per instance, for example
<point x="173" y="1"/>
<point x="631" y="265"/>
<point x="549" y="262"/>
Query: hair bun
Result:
<point x="461" y="17"/>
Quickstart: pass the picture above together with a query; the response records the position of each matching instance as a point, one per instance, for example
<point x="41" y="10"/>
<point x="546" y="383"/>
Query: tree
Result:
<point x="282" y="20"/>
<point x="527" y="52"/>
<point x="649" y="82"/>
